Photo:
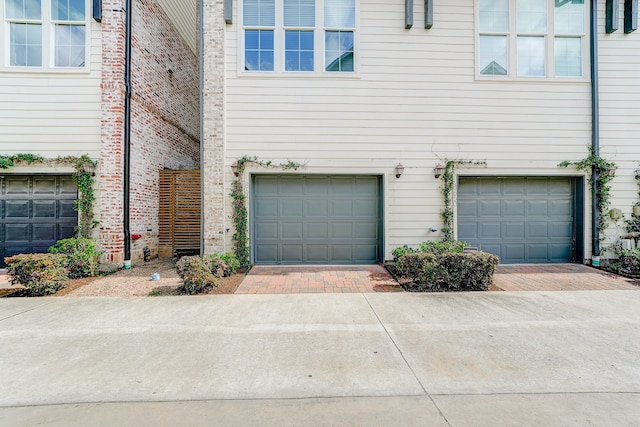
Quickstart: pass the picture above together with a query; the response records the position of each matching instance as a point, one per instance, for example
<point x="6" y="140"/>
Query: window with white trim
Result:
<point x="45" y="33"/>
<point x="531" y="38"/>
<point x="299" y="35"/>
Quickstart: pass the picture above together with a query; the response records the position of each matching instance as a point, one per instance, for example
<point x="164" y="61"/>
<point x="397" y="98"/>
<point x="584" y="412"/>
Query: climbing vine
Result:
<point x="604" y="172"/>
<point x="448" y="181"/>
<point x="240" y="213"/>
<point x="83" y="177"/>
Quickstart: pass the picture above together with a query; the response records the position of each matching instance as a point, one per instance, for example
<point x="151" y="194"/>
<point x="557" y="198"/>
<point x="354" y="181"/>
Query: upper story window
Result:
<point x="299" y="35"/>
<point x="531" y="38"/>
<point x="45" y="33"/>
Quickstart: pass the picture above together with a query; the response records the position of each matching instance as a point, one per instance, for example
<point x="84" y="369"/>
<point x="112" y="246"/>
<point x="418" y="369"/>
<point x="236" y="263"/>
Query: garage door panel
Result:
<point x="266" y="185"/>
<point x="536" y="222"/>
<point x="317" y="208"/>
<point x="291" y="208"/>
<point x="317" y="230"/>
<point x="560" y="208"/>
<point x="67" y="186"/>
<point x="467" y="208"/>
<point x="17" y="185"/>
<point x="66" y="230"/>
<point x="538" y="252"/>
<point x="266" y="208"/>
<point x="266" y="252"/>
<point x="291" y="231"/>
<point x="45" y="232"/>
<point x="513" y="208"/>
<point x="515" y="251"/>
<point x="339" y="223"/>
<point x="490" y="230"/>
<point x="292" y="252"/>
<point x="66" y="210"/>
<point x="267" y="230"/>
<point x="490" y="208"/>
<point x="341" y="253"/>
<point x="367" y="187"/>
<point x="317" y="253"/>
<point x="17" y="233"/>
<point x="341" y="208"/>
<point x="16" y="208"/>
<point x="561" y="230"/>
<point x="44" y="185"/>
<point x="470" y="230"/>
<point x="289" y="186"/>
<point x="366" y="208"/>
<point x="537" y="230"/>
<point x="16" y="250"/>
<point x="44" y="209"/>
<point x="513" y="230"/>
<point x="537" y="208"/>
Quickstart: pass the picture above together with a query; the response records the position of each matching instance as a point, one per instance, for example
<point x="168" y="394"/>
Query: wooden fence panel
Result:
<point x="179" y="216"/>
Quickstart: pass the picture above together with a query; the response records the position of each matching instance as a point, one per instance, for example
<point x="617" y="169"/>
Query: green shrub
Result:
<point x="466" y="272"/>
<point x="419" y="267"/>
<point x="628" y="262"/>
<point x="231" y="261"/>
<point x="82" y="256"/>
<point x="199" y="274"/>
<point x="448" y="271"/>
<point x="437" y="248"/>
<point x="400" y="251"/>
<point x="41" y="274"/>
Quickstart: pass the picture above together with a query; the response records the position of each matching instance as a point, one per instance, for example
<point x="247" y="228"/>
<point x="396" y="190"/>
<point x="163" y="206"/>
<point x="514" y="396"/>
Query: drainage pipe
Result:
<point x="201" y="101"/>
<point x="127" y="132"/>
<point x="595" y="124"/>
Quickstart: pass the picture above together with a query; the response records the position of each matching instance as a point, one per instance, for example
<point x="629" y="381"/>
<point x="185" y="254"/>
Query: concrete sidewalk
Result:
<point x="499" y="358"/>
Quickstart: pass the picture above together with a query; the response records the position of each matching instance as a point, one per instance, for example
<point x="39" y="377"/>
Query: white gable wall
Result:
<point x="416" y="100"/>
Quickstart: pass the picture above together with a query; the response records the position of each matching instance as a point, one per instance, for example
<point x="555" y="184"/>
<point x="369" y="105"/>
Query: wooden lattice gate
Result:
<point x="179" y="229"/>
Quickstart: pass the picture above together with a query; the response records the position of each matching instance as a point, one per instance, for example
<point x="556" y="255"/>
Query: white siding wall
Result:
<point x="620" y="114"/>
<point x="52" y="113"/>
<point x="416" y="100"/>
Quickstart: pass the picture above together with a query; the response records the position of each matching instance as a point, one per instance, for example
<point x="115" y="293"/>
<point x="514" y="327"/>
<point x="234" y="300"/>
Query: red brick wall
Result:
<point x="164" y="121"/>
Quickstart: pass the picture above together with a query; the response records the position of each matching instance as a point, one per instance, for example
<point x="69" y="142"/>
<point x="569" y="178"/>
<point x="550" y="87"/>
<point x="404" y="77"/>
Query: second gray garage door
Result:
<point x="520" y="219"/>
<point x="316" y="219"/>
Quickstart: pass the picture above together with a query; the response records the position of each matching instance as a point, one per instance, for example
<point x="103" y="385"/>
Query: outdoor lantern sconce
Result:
<point x="637" y="171"/>
<point x="89" y="168"/>
<point x="399" y="170"/>
<point x="611" y="171"/>
<point x="438" y="170"/>
<point x="235" y="168"/>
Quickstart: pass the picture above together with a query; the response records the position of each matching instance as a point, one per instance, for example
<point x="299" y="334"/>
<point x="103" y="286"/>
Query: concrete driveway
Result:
<point x="387" y="359"/>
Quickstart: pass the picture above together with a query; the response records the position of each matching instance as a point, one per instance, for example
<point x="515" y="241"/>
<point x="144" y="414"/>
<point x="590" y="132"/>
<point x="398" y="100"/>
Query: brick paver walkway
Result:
<point x="317" y="279"/>
<point x="559" y="277"/>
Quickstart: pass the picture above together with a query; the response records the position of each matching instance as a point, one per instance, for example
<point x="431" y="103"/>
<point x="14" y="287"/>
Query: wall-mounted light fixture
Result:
<point x="399" y="170"/>
<point x="235" y="169"/>
<point x="89" y="168"/>
<point x="637" y="171"/>
<point x="611" y="171"/>
<point x="438" y="170"/>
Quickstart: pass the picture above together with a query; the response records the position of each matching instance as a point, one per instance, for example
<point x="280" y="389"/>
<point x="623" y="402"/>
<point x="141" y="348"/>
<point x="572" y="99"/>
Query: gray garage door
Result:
<point x="316" y="219"/>
<point x="36" y="211"/>
<point x="521" y="219"/>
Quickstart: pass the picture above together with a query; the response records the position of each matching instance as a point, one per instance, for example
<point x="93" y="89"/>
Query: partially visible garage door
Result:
<point x="36" y="211"/>
<point x="520" y="219"/>
<point x="316" y="219"/>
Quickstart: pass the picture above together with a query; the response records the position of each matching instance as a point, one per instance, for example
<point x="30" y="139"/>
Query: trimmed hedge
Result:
<point x="230" y="260"/>
<point x="81" y="256"/>
<point x="41" y="274"/>
<point x="448" y="271"/>
<point x="431" y="247"/>
<point x="199" y="274"/>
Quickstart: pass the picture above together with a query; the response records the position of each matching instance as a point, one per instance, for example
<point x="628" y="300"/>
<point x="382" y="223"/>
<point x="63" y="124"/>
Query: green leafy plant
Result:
<point x="230" y="260"/>
<point x="604" y="171"/>
<point x="448" y="182"/>
<point x="9" y="161"/>
<point x="628" y="262"/>
<point x="199" y="274"/>
<point x="41" y="274"/>
<point x="438" y="248"/>
<point x="81" y="256"/>
<point x="240" y="213"/>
